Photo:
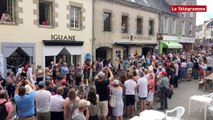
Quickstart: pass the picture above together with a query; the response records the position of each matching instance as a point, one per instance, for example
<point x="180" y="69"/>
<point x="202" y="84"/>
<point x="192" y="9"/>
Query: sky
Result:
<point x="202" y="16"/>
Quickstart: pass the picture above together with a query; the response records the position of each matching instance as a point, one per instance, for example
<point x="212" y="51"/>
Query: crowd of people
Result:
<point x="99" y="90"/>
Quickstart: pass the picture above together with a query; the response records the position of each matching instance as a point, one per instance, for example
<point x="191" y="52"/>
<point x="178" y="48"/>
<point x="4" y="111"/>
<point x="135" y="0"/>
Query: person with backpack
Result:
<point x="6" y="107"/>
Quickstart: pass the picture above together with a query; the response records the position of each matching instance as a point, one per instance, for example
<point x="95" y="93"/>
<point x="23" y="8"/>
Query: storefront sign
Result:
<point x="63" y="37"/>
<point x="131" y="37"/>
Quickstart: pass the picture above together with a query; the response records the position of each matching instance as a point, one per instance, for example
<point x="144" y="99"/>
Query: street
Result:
<point x="181" y="98"/>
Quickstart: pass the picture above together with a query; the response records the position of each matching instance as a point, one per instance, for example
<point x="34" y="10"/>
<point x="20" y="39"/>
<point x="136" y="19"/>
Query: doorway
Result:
<point x="145" y="50"/>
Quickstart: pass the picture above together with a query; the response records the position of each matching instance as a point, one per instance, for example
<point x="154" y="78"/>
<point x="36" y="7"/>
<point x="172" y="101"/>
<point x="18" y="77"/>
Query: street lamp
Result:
<point x="159" y="36"/>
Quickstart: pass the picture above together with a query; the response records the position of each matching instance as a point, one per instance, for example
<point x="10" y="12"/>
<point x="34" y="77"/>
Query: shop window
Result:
<point x="45" y="13"/>
<point x="151" y="27"/>
<point x="75" y="17"/>
<point x="7" y="11"/>
<point x="107" y="21"/>
<point x="124" y="24"/>
<point x="139" y="26"/>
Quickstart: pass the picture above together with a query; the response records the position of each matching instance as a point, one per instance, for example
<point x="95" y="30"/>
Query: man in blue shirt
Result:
<point x="25" y="101"/>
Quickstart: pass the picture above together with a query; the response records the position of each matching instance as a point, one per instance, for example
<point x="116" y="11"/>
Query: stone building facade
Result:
<point x="187" y="24"/>
<point x="123" y="28"/>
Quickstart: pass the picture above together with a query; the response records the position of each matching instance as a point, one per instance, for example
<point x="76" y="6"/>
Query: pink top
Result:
<point x="8" y="105"/>
<point x="151" y="85"/>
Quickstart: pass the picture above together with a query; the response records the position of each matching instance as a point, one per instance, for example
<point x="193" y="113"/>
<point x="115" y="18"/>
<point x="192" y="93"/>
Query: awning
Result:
<point x="55" y="50"/>
<point x="172" y="45"/>
<point x="144" y="42"/>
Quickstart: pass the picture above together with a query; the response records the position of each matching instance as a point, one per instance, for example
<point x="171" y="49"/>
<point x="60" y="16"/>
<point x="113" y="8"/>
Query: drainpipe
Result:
<point x="93" y="27"/>
<point x="159" y="29"/>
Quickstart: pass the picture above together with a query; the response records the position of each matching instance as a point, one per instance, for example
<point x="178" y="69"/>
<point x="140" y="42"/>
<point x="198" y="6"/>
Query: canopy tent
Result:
<point x="172" y="45"/>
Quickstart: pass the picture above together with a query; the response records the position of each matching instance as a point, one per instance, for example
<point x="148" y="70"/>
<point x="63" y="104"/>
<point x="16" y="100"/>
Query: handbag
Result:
<point x="169" y="93"/>
<point x="112" y="101"/>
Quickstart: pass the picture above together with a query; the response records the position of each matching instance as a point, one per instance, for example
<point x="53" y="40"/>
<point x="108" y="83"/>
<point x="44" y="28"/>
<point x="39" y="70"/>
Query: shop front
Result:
<point x="130" y="48"/>
<point x="16" y="55"/>
<point x="66" y="50"/>
<point x="170" y="43"/>
<point x="187" y="43"/>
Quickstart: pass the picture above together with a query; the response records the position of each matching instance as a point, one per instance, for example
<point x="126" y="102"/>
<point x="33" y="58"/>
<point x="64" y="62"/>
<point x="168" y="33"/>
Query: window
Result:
<point x="174" y="26"/>
<point x="183" y="28"/>
<point x="165" y="25"/>
<point x="139" y="26"/>
<point x="124" y="24"/>
<point x="45" y="13"/>
<point x="107" y="21"/>
<point x="151" y="27"/>
<point x="75" y="17"/>
<point x="190" y="28"/>
<point x="7" y="10"/>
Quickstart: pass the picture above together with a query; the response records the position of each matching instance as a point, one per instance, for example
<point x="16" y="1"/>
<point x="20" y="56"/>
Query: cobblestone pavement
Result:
<point x="181" y="98"/>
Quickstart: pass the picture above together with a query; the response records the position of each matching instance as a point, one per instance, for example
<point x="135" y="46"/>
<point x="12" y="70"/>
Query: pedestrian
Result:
<point x="143" y="91"/>
<point x="176" y="74"/>
<point x="130" y="87"/>
<point x="163" y="85"/>
<point x="39" y="74"/>
<point x="82" y="108"/>
<point x="64" y="71"/>
<point x="117" y="91"/>
<point x="10" y="85"/>
<point x="42" y="102"/>
<point x="102" y="89"/>
<point x="151" y="90"/>
<point x="70" y="104"/>
<point x="56" y="105"/>
<point x="189" y="69"/>
<point x="6" y="108"/>
<point x="25" y="102"/>
<point x="93" y="108"/>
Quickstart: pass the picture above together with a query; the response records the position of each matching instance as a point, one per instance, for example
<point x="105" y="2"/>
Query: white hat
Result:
<point x="83" y="103"/>
<point x="116" y="82"/>
<point x="28" y="88"/>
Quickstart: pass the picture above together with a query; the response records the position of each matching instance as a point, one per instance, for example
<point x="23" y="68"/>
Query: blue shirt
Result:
<point x="25" y="104"/>
<point x="64" y="70"/>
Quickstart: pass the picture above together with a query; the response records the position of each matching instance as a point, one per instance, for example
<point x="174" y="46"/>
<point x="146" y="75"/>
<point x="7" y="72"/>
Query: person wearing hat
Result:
<point x="66" y="89"/>
<point x="102" y="90"/>
<point x="163" y="84"/>
<point x="79" y="112"/>
<point x="42" y="102"/>
<point x="117" y="91"/>
<point x="25" y="102"/>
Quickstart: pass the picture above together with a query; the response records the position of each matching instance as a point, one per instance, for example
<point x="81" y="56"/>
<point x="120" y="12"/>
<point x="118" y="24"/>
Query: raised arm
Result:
<point x="31" y="85"/>
<point x="111" y="74"/>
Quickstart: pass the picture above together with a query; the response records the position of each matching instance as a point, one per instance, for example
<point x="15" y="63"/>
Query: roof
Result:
<point x="161" y="5"/>
<point x="155" y="5"/>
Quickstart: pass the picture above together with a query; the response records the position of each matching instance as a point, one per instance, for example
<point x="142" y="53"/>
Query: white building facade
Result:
<point x="41" y="31"/>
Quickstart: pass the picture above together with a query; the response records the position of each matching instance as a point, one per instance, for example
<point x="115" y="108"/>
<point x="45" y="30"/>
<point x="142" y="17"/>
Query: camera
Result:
<point x="24" y="81"/>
